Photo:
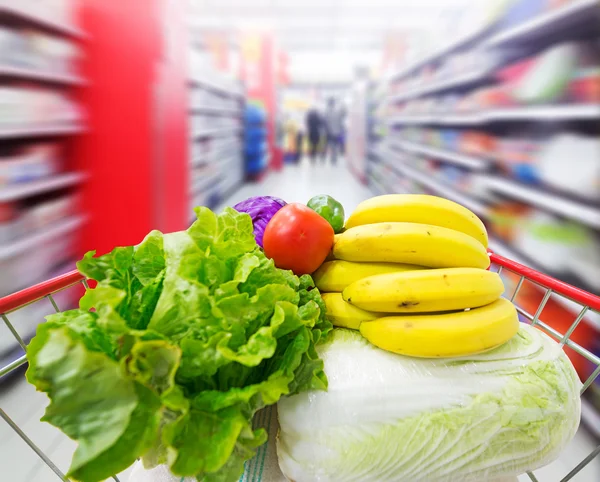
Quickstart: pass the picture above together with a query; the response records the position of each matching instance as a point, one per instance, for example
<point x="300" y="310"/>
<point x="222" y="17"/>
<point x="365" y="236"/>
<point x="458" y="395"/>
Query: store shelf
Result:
<point x="28" y="73"/>
<point x="215" y="110"/>
<point x="221" y="132"/>
<point x="471" y="162"/>
<point x="579" y="211"/>
<point x="550" y="113"/>
<point x="427" y="180"/>
<point x="210" y="84"/>
<point x="447" y="48"/>
<point x="573" y="15"/>
<point x="439" y="86"/>
<point x="37" y="239"/>
<point x="38" y="17"/>
<point x="40" y="130"/>
<point x="378" y="188"/>
<point x="444" y="119"/>
<point x="205" y="183"/>
<point x="22" y="190"/>
<point x="546" y="113"/>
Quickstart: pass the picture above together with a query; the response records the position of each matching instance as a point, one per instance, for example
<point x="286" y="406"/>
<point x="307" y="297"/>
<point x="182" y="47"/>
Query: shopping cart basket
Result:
<point x="586" y="301"/>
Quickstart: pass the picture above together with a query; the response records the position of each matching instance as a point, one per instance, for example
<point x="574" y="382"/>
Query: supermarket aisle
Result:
<point x="298" y="183"/>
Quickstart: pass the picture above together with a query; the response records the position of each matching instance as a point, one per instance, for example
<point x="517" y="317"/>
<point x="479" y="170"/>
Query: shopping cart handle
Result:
<point x="39" y="291"/>
<point x="560" y="287"/>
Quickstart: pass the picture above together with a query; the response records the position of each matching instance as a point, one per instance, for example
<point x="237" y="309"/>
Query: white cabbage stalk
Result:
<point x="388" y="417"/>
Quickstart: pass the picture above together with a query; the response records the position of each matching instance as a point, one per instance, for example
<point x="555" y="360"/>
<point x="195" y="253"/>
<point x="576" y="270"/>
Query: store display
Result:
<point x="40" y="215"/>
<point x="580" y="176"/>
<point x="216" y="125"/>
<point x="31" y="162"/>
<point x="255" y="146"/>
<point x="38" y="53"/>
<point x="22" y="106"/>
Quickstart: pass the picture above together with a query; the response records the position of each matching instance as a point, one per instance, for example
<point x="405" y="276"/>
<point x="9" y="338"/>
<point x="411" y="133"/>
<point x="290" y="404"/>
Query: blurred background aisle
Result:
<point x="119" y="117"/>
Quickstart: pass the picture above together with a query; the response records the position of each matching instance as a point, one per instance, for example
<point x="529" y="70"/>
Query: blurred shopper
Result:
<point x="314" y="125"/>
<point x="334" y="124"/>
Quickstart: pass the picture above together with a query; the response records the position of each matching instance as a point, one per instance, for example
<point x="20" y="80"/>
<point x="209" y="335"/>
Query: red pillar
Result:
<point x="135" y="151"/>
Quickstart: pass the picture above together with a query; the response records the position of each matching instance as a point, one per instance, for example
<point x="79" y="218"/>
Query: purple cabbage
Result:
<point x="261" y="209"/>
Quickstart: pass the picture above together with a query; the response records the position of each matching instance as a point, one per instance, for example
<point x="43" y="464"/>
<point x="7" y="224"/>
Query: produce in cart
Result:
<point x="192" y="333"/>
<point x="392" y="417"/>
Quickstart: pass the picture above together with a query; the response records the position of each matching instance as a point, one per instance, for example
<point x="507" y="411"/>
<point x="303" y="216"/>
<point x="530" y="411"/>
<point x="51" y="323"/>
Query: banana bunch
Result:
<point x="409" y="272"/>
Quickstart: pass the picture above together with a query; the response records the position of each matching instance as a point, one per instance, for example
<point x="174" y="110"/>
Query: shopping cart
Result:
<point x="586" y="301"/>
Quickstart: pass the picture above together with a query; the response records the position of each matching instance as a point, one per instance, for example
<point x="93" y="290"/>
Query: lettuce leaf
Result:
<point x="182" y="340"/>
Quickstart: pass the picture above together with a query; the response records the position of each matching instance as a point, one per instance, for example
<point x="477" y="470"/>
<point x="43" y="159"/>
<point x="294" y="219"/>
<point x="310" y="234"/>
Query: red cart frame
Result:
<point x="587" y="301"/>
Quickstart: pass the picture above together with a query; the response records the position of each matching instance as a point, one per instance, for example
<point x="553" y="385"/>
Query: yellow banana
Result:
<point x="344" y="314"/>
<point x="445" y="335"/>
<point x="411" y="243"/>
<point x="418" y="208"/>
<point x="422" y="291"/>
<point x="334" y="276"/>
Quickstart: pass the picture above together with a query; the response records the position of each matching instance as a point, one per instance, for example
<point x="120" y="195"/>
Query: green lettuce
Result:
<point x="471" y="419"/>
<point x="182" y="340"/>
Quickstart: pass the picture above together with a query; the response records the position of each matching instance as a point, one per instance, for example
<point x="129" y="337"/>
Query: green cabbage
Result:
<point x="387" y="417"/>
<point x="191" y="333"/>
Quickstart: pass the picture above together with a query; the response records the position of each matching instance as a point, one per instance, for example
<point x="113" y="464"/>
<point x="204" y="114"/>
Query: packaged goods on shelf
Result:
<point x="29" y="163"/>
<point x="37" y="51"/>
<point x="28" y="105"/>
<point x="255" y="135"/>
<point x="579" y="176"/>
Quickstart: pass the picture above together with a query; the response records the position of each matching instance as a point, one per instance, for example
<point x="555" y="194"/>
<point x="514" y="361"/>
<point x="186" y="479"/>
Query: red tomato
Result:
<point x="297" y="238"/>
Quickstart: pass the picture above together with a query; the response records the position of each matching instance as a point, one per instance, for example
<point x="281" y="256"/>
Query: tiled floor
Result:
<point x="18" y="463"/>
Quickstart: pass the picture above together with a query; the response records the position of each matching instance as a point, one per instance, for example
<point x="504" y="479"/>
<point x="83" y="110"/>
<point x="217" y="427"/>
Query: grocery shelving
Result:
<point x="202" y="109"/>
<point x="553" y="113"/>
<point x="223" y="87"/>
<point x="39" y="52"/>
<point x="216" y="113"/>
<point x="37" y="239"/>
<point x="41" y="130"/>
<point x="427" y="180"/>
<point x="219" y="132"/>
<point x="31" y="188"/>
<point x="32" y="14"/>
<point x="571" y="15"/>
<point x="446" y="49"/>
<point x="578" y="210"/>
<point x="27" y="73"/>
<point x="472" y="162"/>
<point x="441" y="85"/>
<point x="549" y="113"/>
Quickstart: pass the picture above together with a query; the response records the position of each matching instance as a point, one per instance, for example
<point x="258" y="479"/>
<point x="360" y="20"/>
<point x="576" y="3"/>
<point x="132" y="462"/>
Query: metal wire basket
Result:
<point x="587" y="303"/>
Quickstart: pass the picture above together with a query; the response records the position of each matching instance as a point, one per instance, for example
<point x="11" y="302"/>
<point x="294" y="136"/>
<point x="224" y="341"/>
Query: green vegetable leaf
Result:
<point x="170" y="355"/>
<point x="91" y="401"/>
